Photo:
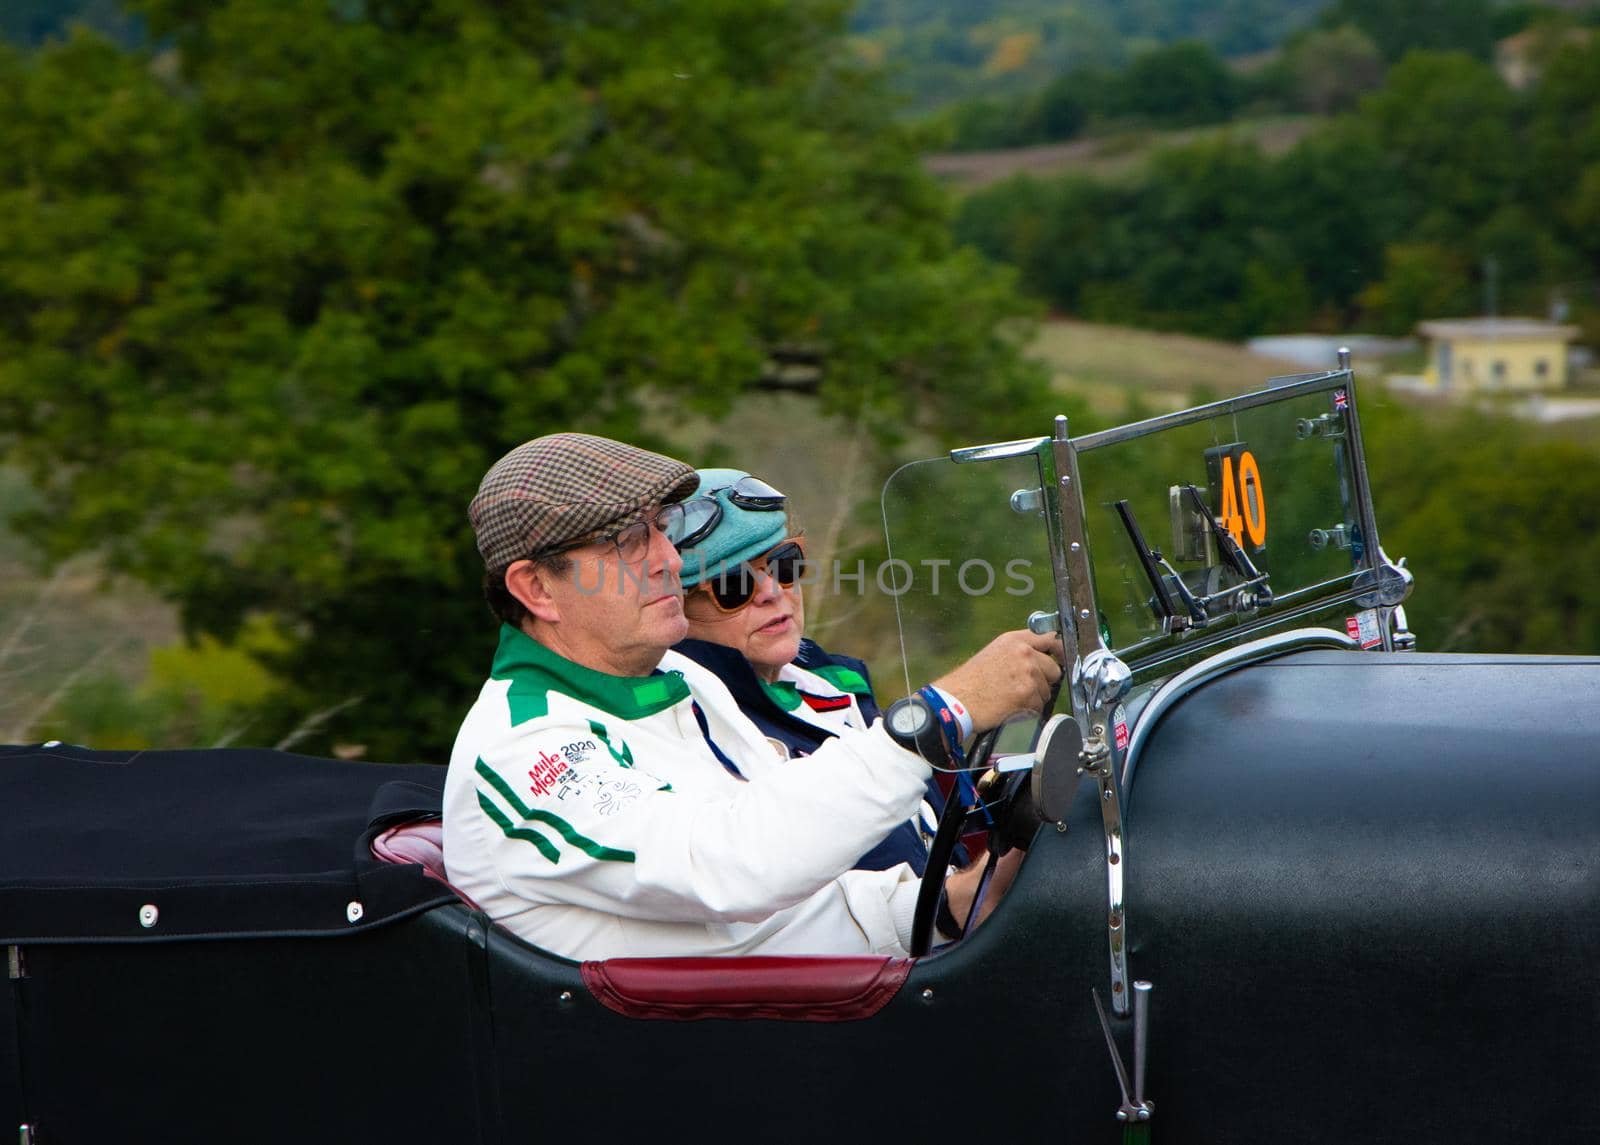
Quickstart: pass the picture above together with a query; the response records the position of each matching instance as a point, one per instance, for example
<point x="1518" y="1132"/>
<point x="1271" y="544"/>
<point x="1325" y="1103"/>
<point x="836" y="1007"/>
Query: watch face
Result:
<point x="908" y="718"/>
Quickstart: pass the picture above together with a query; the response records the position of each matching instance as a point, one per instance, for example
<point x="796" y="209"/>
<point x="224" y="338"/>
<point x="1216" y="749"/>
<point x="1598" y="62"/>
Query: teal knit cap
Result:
<point x="741" y="534"/>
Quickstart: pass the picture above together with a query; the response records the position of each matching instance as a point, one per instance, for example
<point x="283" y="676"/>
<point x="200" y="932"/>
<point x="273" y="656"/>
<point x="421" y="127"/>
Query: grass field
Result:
<point x="1107" y="156"/>
<point x="1110" y="365"/>
<point x="65" y="625"/>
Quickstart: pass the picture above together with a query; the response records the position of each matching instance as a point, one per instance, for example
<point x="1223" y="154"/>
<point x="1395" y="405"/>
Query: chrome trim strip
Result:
<point x="1372" y="548"/>
<point x="1183" y="683"/>
<point x="997" y="449"/>
<point x="1294" y="388"/>
<point x="1098" y="681"/>
<point x="1228" y="629"/>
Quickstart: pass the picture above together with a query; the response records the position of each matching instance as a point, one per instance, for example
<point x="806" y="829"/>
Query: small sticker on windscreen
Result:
<point x="1363" y="628"/>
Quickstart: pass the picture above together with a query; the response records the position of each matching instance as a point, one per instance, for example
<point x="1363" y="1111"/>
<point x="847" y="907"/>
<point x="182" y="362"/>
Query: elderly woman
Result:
<point x="746" y="623"/>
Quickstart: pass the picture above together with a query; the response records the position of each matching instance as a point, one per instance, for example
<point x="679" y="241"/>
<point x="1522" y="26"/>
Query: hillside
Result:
<point x="938" y="52"/>
<point x="1109" y="155"/>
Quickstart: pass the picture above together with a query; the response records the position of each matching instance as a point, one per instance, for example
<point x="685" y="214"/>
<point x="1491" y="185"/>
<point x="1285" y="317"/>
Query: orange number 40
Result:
<point x="1244" y="503"/>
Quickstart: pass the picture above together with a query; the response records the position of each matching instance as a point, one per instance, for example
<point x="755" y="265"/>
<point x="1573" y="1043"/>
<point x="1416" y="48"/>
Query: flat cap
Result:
<point x="560" y="488"/>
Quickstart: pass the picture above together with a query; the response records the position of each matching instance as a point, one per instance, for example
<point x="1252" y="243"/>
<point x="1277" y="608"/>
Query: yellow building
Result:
<point x="1520" y="354"/>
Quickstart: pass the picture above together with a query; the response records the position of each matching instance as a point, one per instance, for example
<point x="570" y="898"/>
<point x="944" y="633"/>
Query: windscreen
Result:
<point x="965" y="564"/>
<point x="1221" y="522"/>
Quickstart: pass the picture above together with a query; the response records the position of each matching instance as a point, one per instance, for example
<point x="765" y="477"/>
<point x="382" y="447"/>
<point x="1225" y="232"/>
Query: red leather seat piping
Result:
<point x="792" y="989"/>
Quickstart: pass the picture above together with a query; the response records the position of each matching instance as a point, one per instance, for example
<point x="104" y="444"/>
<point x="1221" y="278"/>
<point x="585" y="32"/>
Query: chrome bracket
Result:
<point x="16" y="963"/>
<point x="1135" y="1107"/>
<point x="1099" y="681"/>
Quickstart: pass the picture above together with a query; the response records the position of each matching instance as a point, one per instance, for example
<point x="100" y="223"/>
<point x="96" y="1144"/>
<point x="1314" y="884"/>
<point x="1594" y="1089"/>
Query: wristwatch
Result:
<point x="911" y="724"/>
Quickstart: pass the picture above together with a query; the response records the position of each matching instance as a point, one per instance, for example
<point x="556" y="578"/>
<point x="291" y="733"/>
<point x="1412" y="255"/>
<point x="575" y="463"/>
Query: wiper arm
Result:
<point x="1238" y="560"/>
<point x="1161" y="603"/>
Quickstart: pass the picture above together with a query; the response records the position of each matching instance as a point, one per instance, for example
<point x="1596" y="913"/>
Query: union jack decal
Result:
<point x="1339" y="400"/>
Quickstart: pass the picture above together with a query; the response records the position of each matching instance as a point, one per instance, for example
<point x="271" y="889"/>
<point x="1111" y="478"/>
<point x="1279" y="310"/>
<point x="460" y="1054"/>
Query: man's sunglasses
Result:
<point x="732" y="590"/>
<point x="703" y="514"/>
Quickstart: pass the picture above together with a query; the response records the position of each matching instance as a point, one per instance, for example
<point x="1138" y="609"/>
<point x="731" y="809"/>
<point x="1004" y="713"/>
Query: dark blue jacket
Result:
<point x="904" y="844"/>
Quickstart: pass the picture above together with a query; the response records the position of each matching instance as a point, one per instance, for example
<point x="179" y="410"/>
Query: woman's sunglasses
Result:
<point x="732" y="590"/>
<point x="702" y="514"/>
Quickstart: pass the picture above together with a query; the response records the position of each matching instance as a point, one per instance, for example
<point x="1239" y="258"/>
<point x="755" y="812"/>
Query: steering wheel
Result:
<point x="1003" y="796"/>
<point x="1017" y="803"/>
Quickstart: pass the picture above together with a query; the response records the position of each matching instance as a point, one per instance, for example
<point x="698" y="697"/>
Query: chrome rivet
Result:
<point x="564" y="996"/>
<point x="51" y="743"/>
<point x="1061" y="827"/>
<point x="1083" y="614"/>
<point x="1122" y="1115"/>
<point x="148" y="915"/>
<point x="1065" y="481"/>
<point x="1075" y="547"/>
<point x="353" y="911"/>
<point x="927" y="993"/>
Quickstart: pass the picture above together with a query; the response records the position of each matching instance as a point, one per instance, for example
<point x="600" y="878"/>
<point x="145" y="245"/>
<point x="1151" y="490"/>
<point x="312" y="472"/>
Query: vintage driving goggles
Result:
<point x="732" y="590"/>
<point x="702" y="514"/>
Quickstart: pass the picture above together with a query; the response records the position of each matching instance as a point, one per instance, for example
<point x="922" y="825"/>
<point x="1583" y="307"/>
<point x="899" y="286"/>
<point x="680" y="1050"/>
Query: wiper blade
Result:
<point x="1161" y="603"/>
<point x="1238" y="560"/>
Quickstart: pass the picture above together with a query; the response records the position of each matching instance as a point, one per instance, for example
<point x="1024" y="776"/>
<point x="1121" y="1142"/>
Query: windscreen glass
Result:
<point x="968" y="558"/>
<point x="1243" y="515"/>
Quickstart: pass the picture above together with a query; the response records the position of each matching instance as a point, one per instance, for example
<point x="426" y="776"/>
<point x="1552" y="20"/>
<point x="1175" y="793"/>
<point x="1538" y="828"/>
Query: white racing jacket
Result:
<point x="591" y="815"/>
<point x="797" y="691"/>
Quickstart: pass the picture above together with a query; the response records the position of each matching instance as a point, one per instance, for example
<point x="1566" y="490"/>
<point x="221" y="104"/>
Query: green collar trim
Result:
<point x="845" y="679"/>
<point x="783" y="693"/>
<point x="535" y="671"/>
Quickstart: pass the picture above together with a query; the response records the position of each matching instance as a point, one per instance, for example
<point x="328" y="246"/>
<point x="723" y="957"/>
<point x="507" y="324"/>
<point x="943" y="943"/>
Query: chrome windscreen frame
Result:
<point x="1183" y="657"/>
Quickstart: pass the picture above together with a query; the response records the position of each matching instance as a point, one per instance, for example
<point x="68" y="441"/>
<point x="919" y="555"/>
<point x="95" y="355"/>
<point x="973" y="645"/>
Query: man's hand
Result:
<point x="1013" y="673"/>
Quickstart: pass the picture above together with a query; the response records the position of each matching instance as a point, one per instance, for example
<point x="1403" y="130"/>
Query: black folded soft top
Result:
<point x="138" y="846"/>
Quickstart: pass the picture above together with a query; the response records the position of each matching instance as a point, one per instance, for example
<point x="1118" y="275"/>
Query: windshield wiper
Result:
<point x="1152" y="562"/>
<point x="1235" y="556"/>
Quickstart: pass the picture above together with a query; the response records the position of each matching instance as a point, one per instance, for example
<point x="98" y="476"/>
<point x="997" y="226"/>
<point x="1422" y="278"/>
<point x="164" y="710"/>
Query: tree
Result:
<point x="1451" y="122"/>
<point x="275" y="298"/>
<point x="1176" y="86"/>
<point x="1330" y="69"/>
<point x="1418" y="25"/>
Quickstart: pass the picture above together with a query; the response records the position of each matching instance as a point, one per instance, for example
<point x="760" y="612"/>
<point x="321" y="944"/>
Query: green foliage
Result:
<point x="1180" y="85"/>
<point x="1440" y="184"/>
<point x="1326" y="70"/>
<point x="1501" y="530"/>
<point x="32" y="22"/>
<point x="275" y="299"/>
<point x="198" y="694"/>
<point x="1418" y="25"/>
<point x="942" y="52"/>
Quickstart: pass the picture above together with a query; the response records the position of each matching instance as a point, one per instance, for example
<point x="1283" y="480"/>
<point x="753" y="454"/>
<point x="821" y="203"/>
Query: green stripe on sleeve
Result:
<point x="526" y="834"/>
<point x="585" y="844"/>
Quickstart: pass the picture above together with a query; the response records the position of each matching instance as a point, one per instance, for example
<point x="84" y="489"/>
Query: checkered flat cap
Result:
<point x="563" y="487"/>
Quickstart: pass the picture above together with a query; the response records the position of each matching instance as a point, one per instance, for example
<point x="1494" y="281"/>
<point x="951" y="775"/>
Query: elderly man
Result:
<point x="606" y="797"/>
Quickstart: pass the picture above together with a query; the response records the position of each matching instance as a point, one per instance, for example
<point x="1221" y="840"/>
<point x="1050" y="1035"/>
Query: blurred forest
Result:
<point x="280" y="278"/>
<point x="1437" y="186"/>
<point x="277" y="292"/>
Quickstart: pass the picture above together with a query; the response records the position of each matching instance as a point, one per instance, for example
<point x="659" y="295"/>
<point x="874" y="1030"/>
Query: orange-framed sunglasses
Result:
<point x="732" y="590"/>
